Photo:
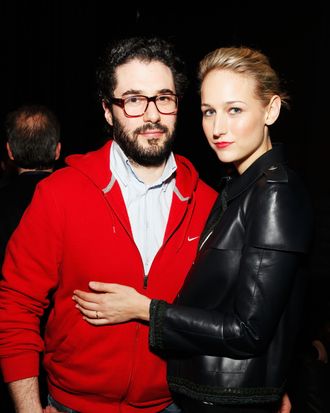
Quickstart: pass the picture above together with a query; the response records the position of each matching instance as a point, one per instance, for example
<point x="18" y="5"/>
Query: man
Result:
<point x="33" y="146"/>
<point x="131" y="213"/>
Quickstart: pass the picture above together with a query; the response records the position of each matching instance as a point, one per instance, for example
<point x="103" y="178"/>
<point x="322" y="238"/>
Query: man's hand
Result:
<point x="50" y="409"/>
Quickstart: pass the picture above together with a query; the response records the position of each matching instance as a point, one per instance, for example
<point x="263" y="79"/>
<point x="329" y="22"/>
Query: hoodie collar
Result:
<point x="95" y="166"/>
<point x="123" y="171"/>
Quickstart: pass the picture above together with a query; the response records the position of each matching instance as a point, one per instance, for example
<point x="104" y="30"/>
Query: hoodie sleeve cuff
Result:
<point x="20" y="367"/>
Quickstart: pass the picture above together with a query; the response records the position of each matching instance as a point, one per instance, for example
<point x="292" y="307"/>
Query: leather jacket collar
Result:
<point x="268" y="161"/>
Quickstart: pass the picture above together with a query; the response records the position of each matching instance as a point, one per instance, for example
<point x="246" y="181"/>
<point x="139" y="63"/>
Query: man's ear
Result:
<point x="57" y="151"/>
<point x="273" y="110"/>
<point x="107" y="113"/>
<point x="10" y="154"/>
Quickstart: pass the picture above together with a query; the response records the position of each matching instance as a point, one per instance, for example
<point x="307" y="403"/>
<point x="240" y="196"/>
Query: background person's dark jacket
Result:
<point x="15" y="197"/>
<point x="230" y="336"/>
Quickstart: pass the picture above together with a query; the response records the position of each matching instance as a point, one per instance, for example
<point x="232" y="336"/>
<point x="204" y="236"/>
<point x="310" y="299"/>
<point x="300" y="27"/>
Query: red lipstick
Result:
<point x="223" y="144"/>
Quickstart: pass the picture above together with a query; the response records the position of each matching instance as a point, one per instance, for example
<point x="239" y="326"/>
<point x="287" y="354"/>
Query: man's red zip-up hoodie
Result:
<point x="77" y="230"/>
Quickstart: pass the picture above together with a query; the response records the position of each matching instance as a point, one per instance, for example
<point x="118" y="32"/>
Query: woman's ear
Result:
<point x="273" y="110"/>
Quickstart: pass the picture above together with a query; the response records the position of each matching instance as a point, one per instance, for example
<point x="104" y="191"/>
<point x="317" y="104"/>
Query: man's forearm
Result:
<point x="25" y="394"/>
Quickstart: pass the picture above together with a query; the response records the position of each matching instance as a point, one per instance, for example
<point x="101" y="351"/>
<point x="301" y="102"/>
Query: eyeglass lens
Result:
<point x="137" y="105"/>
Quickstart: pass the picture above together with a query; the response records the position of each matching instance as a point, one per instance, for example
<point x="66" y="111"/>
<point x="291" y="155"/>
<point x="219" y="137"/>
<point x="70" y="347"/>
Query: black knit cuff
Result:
<point x="157" y="312"/>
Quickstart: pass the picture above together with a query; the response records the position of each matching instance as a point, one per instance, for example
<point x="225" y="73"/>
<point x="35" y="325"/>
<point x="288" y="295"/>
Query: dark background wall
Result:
<point x="49" y="52"/>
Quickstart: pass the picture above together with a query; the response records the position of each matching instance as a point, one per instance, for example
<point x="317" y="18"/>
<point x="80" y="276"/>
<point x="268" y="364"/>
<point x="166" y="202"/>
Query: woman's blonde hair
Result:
<point x="248" y="62"/>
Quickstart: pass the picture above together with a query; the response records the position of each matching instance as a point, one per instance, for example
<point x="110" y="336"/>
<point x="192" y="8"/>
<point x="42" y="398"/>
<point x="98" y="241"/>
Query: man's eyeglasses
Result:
<point x="136" y="105"/>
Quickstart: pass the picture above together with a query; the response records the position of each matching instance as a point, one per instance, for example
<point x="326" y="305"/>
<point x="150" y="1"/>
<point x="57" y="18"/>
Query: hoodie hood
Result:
<point x="95" y="165"/>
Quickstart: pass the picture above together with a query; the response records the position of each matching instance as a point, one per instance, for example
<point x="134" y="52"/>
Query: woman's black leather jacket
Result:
<point x="230" y="334"/>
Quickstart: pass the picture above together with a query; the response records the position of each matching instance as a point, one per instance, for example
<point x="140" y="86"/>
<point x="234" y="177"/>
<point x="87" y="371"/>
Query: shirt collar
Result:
<point x="122" y="167"/>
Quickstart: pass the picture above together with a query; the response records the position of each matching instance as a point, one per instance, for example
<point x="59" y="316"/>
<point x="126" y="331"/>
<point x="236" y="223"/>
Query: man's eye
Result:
<point x="134" y="99"/>
<point x="165" y="98"/>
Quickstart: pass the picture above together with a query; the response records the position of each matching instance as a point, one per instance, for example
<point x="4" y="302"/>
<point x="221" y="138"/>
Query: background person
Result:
<point x="33" y="146"/>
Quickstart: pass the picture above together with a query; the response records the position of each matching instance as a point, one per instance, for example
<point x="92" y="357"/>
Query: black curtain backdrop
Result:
<point x="49" y="52"/>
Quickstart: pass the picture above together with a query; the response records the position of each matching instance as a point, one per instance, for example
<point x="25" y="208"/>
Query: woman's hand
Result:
<point x="285" y="405"/>
<point x="111" y="304"/>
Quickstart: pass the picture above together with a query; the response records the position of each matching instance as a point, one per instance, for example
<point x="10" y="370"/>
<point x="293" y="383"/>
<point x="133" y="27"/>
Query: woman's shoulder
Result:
<point x="279" y="210"/>
<point x="284" y="183"/>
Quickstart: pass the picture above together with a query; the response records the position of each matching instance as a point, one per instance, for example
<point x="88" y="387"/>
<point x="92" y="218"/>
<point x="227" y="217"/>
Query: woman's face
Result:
<point x="235" y="121"/>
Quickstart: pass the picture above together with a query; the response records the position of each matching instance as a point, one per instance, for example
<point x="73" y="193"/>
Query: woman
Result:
<point x="229" y="335"/>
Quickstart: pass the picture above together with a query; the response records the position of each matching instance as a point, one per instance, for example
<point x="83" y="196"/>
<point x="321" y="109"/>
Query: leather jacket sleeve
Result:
<point x="243" y="332"/>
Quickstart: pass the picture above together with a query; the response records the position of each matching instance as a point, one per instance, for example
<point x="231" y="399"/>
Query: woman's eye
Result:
<point x="208" y="112"/>
<point x="235" y="110"/>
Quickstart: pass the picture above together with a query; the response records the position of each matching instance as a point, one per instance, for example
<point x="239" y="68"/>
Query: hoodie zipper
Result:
<point x="145" y="281"/>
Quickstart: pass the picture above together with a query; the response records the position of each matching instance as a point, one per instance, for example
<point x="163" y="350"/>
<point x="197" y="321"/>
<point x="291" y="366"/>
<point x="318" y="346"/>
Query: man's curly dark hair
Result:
<point x="144" y="49"/>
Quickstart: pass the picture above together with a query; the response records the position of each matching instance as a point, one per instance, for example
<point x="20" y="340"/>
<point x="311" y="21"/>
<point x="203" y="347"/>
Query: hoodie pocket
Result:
<point x="93" y="360"/>
<point x="77" y="335"/>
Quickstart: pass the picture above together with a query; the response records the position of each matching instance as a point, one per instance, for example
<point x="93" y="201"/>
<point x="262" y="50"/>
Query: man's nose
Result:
<point x="151" y="114"/>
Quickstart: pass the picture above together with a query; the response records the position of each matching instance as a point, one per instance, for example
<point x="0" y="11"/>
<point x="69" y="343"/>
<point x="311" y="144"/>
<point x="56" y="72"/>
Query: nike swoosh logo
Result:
<point x="192" y="238"/>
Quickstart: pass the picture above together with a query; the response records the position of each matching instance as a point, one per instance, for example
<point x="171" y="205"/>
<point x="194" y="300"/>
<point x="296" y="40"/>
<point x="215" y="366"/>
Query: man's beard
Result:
<point x="154" y="154"/>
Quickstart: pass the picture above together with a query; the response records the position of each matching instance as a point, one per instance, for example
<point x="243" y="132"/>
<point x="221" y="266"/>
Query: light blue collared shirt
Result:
<point x="148" y="206"/>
